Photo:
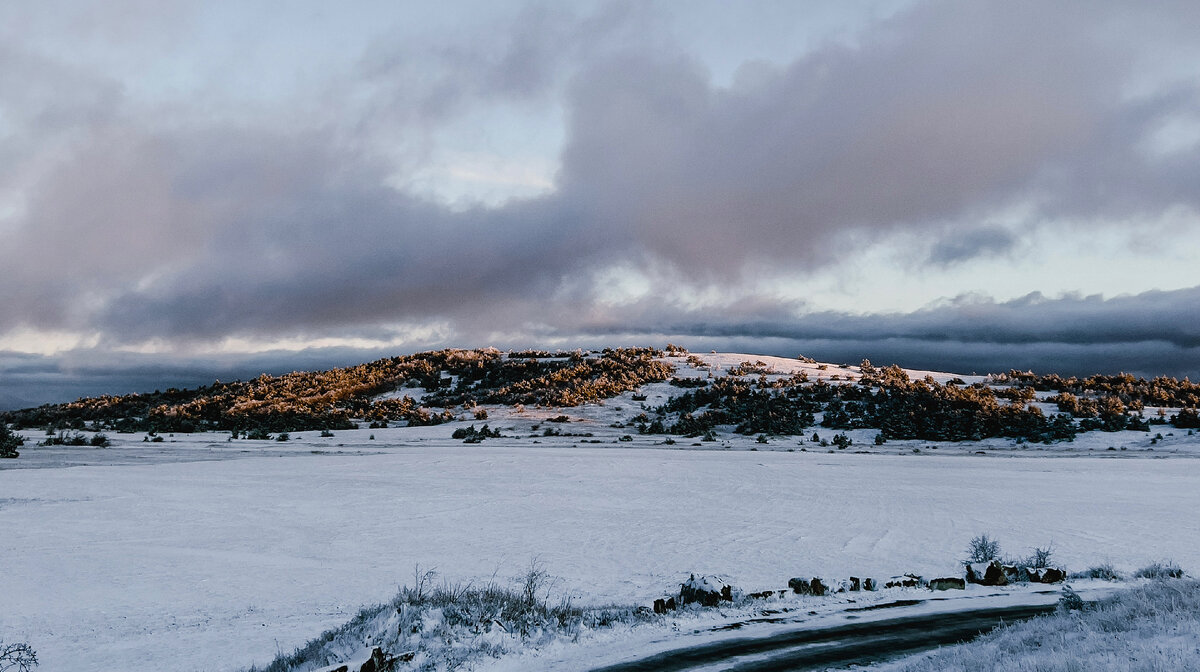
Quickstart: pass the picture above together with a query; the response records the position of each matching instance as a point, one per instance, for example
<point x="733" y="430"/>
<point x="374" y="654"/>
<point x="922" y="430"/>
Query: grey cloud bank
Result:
<point x="158" y="222"/>
<point x="1157" y="333"/>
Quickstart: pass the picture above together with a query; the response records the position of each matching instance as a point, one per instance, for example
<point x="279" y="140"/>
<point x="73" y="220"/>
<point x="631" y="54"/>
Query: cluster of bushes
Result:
<point x="1107" y="413"/>
<point x="1135" y="393"/>
<point x="756" y="368"/>
<point x="472" y="435"/>
<point x="884" y="398"/>
<point x="749" y="406"/>
<point x="927" y="410"/>
<point x="75" y="439"/>
<point x="986" y="549"/>
<point x="585" y="380"/>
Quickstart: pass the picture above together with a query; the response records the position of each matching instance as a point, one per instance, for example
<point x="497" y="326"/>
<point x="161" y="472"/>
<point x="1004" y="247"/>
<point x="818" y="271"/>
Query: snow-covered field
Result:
<point x="135" y="560"/>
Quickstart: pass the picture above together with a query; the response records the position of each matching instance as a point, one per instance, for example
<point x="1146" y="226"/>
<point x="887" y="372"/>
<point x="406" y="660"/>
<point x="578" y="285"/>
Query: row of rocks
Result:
<point x="710" y="591"/>
<point x="818" y="586"/>
<point x="996" y="574"/>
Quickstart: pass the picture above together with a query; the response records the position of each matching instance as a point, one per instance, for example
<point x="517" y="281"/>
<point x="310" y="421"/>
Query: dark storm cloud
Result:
<point x="966" y="245"/>
<point x="930" y="122"/>
<point x="1154" y="333"/>
<point x="1151" y="334"/>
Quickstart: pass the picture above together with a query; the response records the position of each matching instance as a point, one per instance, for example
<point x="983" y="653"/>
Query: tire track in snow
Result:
<point x="841" y="645"/>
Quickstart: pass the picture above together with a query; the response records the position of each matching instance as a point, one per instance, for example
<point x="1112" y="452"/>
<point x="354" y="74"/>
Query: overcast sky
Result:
<point x="193" y="190"/>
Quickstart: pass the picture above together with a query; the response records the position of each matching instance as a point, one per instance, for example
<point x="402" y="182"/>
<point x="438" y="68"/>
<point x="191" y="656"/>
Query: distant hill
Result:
<point x="706" y="394"/>
<point x="333" y="398"/>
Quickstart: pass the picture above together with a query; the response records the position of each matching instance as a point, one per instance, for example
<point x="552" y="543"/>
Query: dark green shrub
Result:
<point x="9" y="441"/>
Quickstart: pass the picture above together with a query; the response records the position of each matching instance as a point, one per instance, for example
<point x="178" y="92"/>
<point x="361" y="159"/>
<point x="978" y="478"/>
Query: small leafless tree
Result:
<point x="19" y="657"/>
<point x="983" y="549"/>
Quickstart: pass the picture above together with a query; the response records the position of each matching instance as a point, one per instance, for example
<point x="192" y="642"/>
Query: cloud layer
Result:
<point x="137" y="221"/>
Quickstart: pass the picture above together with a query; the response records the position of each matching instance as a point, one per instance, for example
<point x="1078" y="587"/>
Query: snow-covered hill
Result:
<point x="204" y="553"/>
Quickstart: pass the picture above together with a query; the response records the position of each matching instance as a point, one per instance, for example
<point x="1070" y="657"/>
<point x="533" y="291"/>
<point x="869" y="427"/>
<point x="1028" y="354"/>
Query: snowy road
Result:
<point x="215" y="565"/>
<point x="837" y="646"/>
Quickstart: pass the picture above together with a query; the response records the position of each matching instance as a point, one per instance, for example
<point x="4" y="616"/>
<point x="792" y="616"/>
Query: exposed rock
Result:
<point x="766" y="594"/>
<point x="817" y="586"/>
<point x="855" y="584"/>
<point x="375" y="663"/>
<point x="904" y="581"/>
<point x="800" y="586"/>
<point x="706" y="590"/>
<point x="1013" y="573"/>
<point x="870" y="584"/>
<point x="664" y="604"/>
<point x="1047" y="575"/>
<point x="947" y="583"/>
<point x="986" y="573"/>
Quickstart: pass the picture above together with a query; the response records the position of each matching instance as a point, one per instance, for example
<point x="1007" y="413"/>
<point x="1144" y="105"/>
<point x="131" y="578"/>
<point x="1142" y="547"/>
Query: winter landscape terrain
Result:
<point x="161" y="549"/>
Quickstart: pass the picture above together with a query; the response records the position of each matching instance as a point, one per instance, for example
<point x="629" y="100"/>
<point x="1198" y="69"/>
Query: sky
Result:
<point x="200" y="190"/>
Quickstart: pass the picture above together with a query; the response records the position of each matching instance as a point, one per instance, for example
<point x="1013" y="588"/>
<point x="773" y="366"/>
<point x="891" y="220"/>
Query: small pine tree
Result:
<point x="9" y="441"/>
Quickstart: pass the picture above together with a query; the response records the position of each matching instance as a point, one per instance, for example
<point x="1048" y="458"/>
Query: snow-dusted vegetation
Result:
<point x="1154" y="627"/>
<point x="442" y="626"/>
<point x="706" y="395"/>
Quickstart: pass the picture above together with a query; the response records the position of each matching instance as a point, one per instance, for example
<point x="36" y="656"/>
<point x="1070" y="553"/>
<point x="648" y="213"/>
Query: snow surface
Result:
<point x="218" y="564"/>
<point x="200" y="553"/>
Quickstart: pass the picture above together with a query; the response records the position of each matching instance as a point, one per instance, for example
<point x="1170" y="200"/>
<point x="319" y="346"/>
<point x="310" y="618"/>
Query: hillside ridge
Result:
<point x="707" y="394"/>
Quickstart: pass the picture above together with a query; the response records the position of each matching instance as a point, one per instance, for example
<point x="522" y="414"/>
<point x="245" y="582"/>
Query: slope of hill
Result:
<point x="383" y="391"/>
<point x="679" y="393"/>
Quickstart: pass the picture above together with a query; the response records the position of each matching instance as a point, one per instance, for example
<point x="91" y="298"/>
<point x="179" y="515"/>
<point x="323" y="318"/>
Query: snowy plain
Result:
<point x="200" y="553"/>
<point x="219" y="564"/>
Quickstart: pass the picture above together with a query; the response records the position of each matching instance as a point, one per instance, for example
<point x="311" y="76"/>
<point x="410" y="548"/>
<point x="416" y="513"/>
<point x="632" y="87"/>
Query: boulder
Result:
<point x="818" y="587"/>
<point x="1014" y="573"/>
<point x="800" y="586"/>
<point x="947" y="583"/>
<point x="664" y="604"/>
<point x="986" y="573"/>
<point x="378" y="662"/>
<point x="855" y="584"/>
<point x="1054" y="575"/>
<point x="706" y="590"/>
<point x="870" y="584"/>
<point x="764" y="595"/>
<point x="903" y="581"/>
